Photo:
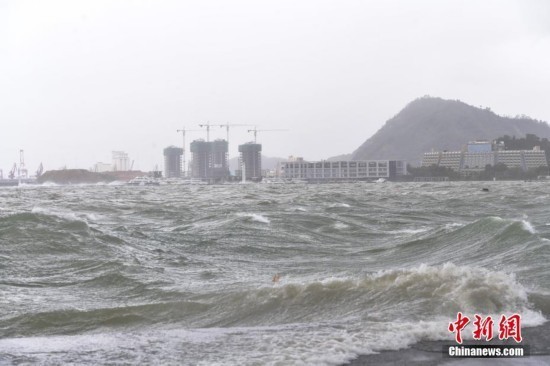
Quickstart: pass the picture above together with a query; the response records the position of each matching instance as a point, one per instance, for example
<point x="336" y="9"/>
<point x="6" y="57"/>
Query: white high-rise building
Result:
<point x="121" y="161"/>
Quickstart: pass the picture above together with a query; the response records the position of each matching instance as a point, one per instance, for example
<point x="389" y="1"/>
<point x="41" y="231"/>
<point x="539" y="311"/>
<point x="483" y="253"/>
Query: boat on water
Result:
<point x="143" y="181"/>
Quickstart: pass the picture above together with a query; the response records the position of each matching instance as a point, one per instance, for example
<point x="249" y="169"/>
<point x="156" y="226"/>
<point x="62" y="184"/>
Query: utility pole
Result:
<point x="183" y="131"/>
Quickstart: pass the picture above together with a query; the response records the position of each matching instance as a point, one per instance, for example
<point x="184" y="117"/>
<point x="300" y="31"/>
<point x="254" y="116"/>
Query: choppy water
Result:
<point x="172" y="274"/>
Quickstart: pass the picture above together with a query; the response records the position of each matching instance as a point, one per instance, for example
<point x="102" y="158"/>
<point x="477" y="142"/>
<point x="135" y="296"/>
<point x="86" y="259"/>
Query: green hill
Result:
<point x="433" y="123"/>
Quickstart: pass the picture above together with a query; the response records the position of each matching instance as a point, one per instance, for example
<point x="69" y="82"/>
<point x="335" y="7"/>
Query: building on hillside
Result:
<point x="343" y="170"/>
<point x="173" y="162"/>
<point x="251" y="158"/>
<point x="478" y="154"/>
<point x="479" y="146"/>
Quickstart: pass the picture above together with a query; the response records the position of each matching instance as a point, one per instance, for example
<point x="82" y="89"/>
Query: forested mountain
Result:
<point x="433" y="123"/>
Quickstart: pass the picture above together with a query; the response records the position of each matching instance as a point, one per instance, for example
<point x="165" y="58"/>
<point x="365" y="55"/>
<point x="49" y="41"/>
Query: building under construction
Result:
<point x="210" y="160"/>
<point x="172" y="162"/>
<point x="251" y="158"/>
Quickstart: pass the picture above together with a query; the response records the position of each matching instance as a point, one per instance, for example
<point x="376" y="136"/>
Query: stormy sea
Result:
<point x="370" y="273"/>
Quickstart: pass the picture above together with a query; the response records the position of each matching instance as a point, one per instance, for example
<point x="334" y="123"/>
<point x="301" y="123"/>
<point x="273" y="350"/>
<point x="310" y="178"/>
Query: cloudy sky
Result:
<point x="79" y="79"/>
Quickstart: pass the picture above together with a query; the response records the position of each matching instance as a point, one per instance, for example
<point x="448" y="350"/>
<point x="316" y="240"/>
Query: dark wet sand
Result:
<point x="430" y="353"/>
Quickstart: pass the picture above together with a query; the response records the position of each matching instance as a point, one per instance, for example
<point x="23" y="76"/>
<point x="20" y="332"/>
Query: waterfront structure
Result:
<point x="102" y="167"/>
<point x="173" y="162"/>
<point x="210" y="160"/>
<point x="251" y="157"/>
<point x="121" y="161"/>
<point x="343" y="170"/>
<point x="478" y="154"/>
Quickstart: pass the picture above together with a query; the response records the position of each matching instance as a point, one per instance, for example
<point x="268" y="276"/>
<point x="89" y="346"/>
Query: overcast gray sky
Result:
<point x="79" y="79"/>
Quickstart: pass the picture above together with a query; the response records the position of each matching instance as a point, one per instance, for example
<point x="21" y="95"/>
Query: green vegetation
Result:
<point x="433" y="171"/>
<point x="502" y="172"/>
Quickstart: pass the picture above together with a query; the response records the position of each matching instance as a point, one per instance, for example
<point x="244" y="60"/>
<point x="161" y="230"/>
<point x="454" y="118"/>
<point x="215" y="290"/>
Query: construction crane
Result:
<point x="40" y="170"/>
<point x="207" y="125"/>
<point x="11" y="174"/>
<point x="255" y="130"/>
<point x="183" y="131"/>
<point x="23" y="172"/>
<point x="227" y="125"/>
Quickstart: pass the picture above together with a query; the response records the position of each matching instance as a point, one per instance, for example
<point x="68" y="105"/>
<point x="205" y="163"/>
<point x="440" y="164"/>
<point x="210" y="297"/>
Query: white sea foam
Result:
<point x="92" y="217"/>
<point x="322" y="341"/>
<point x="453" y="225"/>
<point x="70" y="216"/>
<point x="256" y="217"/>
<point x="339" y="204"/>
<point x="340" y="225"/>
<point x="528" y="227"/>
<point x="411" y="231"/>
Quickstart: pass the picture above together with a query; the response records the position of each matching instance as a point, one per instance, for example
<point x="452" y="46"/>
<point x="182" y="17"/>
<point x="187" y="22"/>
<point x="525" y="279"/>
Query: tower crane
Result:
<point x="39" y="170"/>
<point x="207" y="125"/>
<point x="183" y="131"/>
<point x="255" y="130"/>
<point x="23" y="172"/>
<point x="227" y="125"/>
<point x="11" y="174"/>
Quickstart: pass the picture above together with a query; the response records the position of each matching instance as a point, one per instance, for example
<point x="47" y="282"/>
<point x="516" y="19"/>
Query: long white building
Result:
<point x="343" y="170"/>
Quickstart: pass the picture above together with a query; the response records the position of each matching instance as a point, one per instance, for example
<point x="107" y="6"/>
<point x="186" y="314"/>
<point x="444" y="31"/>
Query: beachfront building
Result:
<point x="343" y="170"/>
